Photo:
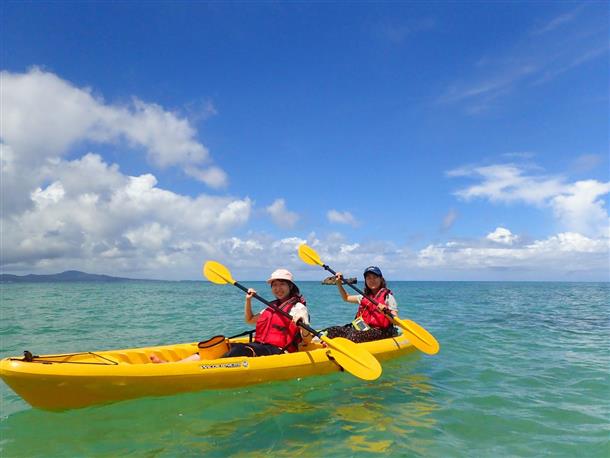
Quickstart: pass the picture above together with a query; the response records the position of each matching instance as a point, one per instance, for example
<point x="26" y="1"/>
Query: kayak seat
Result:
<point x="139" y="357"/>
<point x="121" y="357"/>
<point x="171" y="355"/>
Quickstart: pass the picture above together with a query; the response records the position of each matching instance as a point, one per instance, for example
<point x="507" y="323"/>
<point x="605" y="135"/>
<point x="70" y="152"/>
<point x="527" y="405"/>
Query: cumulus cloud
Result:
<point x="66" y="207"/>
<point x="280" y="215"/>
<point x="83" y="212"/>
<point x="92" y="212"/>
<point x="578" y="206"/>
<point x="502" y="236"/>
<point x="499" y="255"/>
<point x="335" y="216"/>
<point x="563" y="255"/>
<point x="44" y="116"/>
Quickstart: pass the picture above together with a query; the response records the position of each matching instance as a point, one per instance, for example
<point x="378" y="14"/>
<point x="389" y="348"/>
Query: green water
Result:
<point x="524" y="370"/>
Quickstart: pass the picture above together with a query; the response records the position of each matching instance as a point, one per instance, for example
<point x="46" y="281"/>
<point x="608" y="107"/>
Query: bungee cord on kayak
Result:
<point x="46" y="359"/>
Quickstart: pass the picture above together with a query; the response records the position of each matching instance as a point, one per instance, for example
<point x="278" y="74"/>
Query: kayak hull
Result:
<point x="58" y="382"/>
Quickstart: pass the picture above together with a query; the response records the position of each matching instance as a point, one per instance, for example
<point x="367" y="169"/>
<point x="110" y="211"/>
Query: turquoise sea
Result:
<point x="524" y="370"/>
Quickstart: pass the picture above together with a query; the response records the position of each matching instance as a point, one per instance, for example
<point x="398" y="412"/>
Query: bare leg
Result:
<point x="193" y="357"/>
<point x="156" y="360"/>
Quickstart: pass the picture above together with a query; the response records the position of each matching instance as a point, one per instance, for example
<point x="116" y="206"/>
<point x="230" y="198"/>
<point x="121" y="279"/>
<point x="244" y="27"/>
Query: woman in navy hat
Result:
<point x="372" y="321"/>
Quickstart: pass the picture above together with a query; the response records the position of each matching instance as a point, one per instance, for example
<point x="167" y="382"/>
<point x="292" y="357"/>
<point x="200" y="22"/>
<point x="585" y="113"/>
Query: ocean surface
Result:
<point x="524" y="370"/>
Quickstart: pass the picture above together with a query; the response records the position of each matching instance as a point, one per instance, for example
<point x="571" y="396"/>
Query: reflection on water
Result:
<point x="334" y="413"/>
<point x="398" y="407"/>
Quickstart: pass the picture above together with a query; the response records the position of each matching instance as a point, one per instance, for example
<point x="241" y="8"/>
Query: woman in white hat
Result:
<point x="275" y="333"/>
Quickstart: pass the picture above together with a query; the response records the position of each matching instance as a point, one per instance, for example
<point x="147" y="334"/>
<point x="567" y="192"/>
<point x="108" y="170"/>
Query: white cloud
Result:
<point x="432" y="255"/>
<point x="214" y="177"/>
<point x="150" y="236"/>
<point x="44" y="116"/>
<point x="570" y="242"/>
<point x="92" y="217"/>
<point x="50" y="195"/>
<point x="335" y="216"/>
<point x="280" y="215"/>
<point x="556" y="257"/>
<point x="85" y="213"/>
<point x="288" y="244"/>
<point x="507" y="183"/>
<point x="578" y="206"/>
<point x="567" y="255"/>
<point x="502" y="236"/>
<point x="347" y="249"/>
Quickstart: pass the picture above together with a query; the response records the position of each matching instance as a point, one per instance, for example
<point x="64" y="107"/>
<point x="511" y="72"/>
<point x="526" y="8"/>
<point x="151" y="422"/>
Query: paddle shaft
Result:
<point x="279" y="310"/>
<point x="355" y="288"/>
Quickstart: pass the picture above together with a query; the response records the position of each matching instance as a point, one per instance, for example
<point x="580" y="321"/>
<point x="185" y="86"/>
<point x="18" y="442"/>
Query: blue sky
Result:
<point x="441" y="141"/>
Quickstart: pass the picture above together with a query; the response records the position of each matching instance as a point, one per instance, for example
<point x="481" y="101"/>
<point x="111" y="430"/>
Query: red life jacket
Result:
<point x="371" y="314"/>
<point x="276" y="329"/>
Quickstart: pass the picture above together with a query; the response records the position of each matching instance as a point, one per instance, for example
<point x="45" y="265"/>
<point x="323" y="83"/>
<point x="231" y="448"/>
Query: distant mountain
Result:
<point x="67" y="276"/>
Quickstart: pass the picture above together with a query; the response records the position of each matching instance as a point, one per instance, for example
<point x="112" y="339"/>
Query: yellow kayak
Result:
<point x="57" y="382"/>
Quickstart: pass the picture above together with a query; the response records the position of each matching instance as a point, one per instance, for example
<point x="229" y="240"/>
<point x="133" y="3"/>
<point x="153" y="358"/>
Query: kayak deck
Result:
<point x="57" y="382"/>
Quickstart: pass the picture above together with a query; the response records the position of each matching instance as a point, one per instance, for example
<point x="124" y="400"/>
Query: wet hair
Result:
<point x="367" y="290"/>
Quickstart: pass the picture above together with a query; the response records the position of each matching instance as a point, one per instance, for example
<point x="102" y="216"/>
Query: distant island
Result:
<point x="346" y="281"/>
<point x="67" y="276"/>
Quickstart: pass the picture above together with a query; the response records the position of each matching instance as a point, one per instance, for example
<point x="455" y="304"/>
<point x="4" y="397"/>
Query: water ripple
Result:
<point x="522" y="371"/>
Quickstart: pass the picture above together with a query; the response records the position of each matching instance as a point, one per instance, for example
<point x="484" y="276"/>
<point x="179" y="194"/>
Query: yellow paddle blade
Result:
<point x="217" y="273"/>
<point x="309" y="256"/>
<point x="354" y="359"/>
<point x="418" y="336"/>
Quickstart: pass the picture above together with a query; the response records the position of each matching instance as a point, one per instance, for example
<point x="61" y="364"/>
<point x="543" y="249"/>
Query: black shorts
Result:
<point x="252" y="349"/>
<point x="351" y="333"/>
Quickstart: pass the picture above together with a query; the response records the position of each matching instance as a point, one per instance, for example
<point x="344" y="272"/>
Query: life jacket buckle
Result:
<point x="360" y="325"/>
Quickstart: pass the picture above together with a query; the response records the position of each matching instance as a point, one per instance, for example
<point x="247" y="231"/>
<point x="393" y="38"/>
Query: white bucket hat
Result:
<point x="280" y="274"/>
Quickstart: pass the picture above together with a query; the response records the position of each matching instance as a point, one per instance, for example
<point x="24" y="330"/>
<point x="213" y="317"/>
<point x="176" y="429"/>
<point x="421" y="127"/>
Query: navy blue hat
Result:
<point x="374" y="270"/>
